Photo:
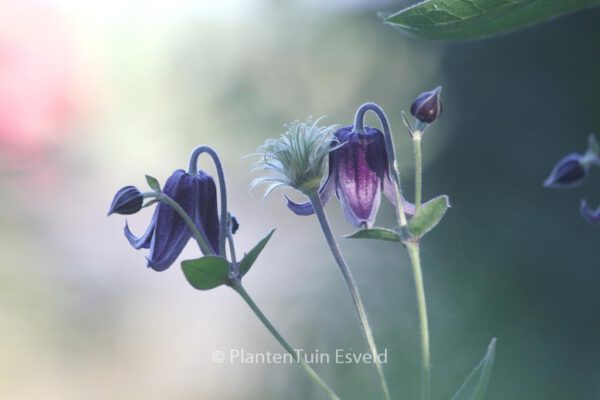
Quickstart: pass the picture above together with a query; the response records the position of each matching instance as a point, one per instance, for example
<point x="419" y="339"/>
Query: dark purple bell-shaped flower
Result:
<point x="590" y="215"/>
<point x="168" y="234"/>
<point x="428" y="106"/>
<point x="358" y="173"/>
<point x="570" y="171"/>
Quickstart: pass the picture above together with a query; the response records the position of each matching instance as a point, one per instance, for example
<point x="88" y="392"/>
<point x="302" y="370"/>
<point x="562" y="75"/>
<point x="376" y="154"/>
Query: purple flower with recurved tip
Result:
<point x="168" y="234"/>
<point x="591" y="216"/>
<point x="358" y="174"/>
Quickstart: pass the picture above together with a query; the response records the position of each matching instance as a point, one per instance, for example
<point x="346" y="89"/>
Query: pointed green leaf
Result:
<point x="207" y="272"/>
<point x="376" y="233"/>
<point x="476" y="384"/>
<point x="153" y="183"/>
<point x="249" y="258"/>
<point x="468" y="19"/>
<point x="428" y="216"/>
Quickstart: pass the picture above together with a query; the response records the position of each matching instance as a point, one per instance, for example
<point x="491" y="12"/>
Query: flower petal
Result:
<point x="591" y="216"/>
<point x="302" y="209"/>
<point x="360" y="166"/>
<point x="144" y="240"/>
<point x="207" y="213"/>
<point x="171" y="233"/>
<point x="306" y="208"/>
<point x="390" y="193"/>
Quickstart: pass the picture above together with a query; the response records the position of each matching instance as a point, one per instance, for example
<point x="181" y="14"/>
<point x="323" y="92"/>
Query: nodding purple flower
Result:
<point x="358" y="173"/>
<point x="428" y="106"/>
<point x="570" y="171"/>
<point x="168" y="234"/>
<point x="591" y="216"/>
<point x="127" y="201"/>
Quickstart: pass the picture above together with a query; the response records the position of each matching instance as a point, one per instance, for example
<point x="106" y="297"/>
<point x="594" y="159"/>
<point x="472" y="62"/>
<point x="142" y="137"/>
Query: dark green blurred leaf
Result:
<point x="376" y="233"/>
<point x="249" y="258"/>
<point x="153" y="183"/>
<point x="476" y="384"/>
<point x="206" y="272"/>
<point x="428" y="216"/>
<point x="468" y="19"/>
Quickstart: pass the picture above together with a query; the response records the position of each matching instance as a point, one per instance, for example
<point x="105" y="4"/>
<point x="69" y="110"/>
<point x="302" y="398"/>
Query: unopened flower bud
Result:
<point x="570" y="171"/>
<point x="127" y="201"/>
<point x="428" y="106"/>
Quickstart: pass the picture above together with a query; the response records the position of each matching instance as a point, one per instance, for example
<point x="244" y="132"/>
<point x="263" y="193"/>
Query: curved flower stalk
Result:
<point x="187" y="207"/>
<point x="298" y="159"/>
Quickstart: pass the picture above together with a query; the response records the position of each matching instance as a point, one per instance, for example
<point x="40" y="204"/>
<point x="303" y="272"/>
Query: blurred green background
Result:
<point x="93" y="95"/>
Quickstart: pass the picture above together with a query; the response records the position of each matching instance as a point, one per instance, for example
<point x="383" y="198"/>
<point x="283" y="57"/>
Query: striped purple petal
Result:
<point x="360" y="166"/>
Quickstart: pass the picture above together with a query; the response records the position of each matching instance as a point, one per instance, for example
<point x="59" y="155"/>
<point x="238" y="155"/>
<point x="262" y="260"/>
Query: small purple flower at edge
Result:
<point x="168" y="234"/>
<point x="591" y="216"/>
<point x="568" y="172"/>
<point x="358" y="173"/>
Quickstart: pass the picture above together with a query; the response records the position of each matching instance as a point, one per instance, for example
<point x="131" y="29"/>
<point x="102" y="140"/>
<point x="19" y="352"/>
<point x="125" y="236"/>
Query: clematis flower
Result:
<point x="358" y="174"/>
<point x="591" y="216"/>
<point x="168" y="234"/>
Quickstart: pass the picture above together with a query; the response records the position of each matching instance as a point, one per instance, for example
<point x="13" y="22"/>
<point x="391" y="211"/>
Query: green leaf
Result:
<point x="153" y="183"/>
<point x="376" y="233"/>
<point x="476" y="384"/>
<point x="428" y="216"/>
<point x="207" y="272"/>
<point x="469" y="19"/>
<point x="249" y="258"/>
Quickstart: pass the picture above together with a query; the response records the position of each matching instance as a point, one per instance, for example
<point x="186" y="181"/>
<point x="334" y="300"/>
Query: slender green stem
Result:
<point x="237" y="286"/>
<point x="358" y="304"/>
<point x="235" y="267"/>
<point x="415" y="260"/>
<point x="418" y="169"/>
<point x="198" y="233"/>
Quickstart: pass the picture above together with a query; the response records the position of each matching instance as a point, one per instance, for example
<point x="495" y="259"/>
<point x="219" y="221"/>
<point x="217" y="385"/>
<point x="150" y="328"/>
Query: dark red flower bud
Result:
<point x="428" y="106"/>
